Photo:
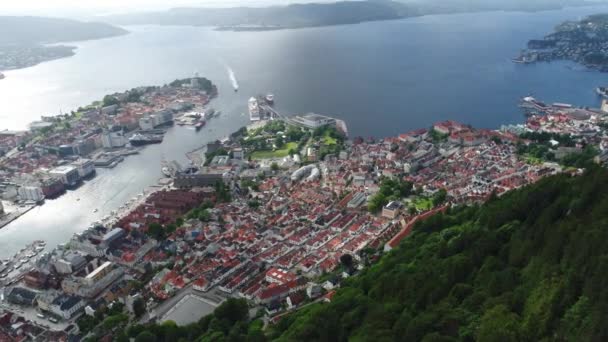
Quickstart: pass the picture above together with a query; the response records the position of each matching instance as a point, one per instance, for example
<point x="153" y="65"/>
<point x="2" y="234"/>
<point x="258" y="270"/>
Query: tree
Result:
<point x="139" y="307"/>
<point x="347" y="261"/>
<point x="156" y="231"/>
<point x="439" y="197"/>
<point x="110" y="100"/>
<point x="279" y="142"/>
<point x="145" y="336"/>
<point x="274" y="167"/>
<point x="204" y="216"/>
<point x="499" y="324"/>
<point x="232" y="310"/>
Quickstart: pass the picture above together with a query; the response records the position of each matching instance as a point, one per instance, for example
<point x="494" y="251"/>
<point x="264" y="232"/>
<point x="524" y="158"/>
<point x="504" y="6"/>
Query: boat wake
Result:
<point x="235" y="83"/>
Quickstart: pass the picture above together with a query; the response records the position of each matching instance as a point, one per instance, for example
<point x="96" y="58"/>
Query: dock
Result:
<point x="12" y="216"/>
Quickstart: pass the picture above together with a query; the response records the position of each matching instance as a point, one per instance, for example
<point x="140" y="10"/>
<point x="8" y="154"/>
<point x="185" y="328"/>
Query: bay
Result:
<point x="383" y="78"/>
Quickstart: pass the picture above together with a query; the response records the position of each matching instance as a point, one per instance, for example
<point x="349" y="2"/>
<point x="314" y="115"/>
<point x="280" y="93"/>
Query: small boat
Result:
<point x="166" y="171"/>
<point x="270" y="98"/>
<point x="199" y="125"/>
<point x="96" y="210"/>
<point x="78" y="199"/>
<point x="602" y="91"/>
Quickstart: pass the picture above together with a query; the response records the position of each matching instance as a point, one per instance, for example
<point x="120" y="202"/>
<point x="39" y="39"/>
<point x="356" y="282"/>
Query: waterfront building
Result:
<point x="31" y="193"/>
<point x="85" y="167"/>
<point x="37" y="126"/>
<point x="313" y="121"/>
<point x="68" y="174"/>
<point x="146" y="123"/>
<point x="69" y="263"/>
<point x="198" y="180"/>
<point x="113" y="139"/>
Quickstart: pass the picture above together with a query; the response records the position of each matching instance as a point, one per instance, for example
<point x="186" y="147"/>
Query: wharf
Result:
<point x="12" y="216"/>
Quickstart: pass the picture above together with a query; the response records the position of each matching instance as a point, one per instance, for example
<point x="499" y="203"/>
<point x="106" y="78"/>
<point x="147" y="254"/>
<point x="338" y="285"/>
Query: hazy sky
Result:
<point x="78" y="7"/>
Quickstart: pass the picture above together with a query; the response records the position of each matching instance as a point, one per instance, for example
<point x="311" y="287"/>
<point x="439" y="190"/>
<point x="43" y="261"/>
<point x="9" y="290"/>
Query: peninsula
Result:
<point x="289" y="220"/>
<point x="59" y="153"/>
<point x="584" y="42"/>
<point x="27" y="43"/>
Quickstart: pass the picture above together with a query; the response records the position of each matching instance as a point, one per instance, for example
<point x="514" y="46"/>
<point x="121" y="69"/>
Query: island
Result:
<point x="584" y="42"/>
<point x="33" y="40"/>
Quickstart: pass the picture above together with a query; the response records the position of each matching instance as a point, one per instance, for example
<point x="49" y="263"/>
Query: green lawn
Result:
<point x="328" y="140"/>
<point x="533" y="160"/>
<point x="423" y="203"/>
<point x="266" y="154"/>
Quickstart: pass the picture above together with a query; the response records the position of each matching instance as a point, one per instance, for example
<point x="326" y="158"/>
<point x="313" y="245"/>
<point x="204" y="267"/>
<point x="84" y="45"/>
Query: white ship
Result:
<point x="270" y="99"/>
<point x="254" y="109"/>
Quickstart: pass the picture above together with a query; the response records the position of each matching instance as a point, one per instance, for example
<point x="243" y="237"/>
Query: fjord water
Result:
<point x="383" y="78"/>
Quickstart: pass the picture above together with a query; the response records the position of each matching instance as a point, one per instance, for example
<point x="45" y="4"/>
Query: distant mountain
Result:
<point x="314" y="14"/>
<point x="291" y="16"/>
<point x="38" y="30"/>
<point x="459" y="6"/>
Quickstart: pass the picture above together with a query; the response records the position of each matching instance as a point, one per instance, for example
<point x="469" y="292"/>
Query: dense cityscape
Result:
<point x="278" y="213"/>
<point x="290" y="227"/>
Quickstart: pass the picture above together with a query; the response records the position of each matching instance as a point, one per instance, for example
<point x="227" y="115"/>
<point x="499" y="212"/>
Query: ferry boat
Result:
<point x="166" y="171"/>
<point x="270" y="99"/>
<point x="254" y="109"/>
<point x="602" y="91"/>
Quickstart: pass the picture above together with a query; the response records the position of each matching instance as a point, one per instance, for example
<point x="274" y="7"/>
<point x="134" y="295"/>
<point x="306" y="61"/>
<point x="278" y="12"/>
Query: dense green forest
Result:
<point x="529" y="266"/>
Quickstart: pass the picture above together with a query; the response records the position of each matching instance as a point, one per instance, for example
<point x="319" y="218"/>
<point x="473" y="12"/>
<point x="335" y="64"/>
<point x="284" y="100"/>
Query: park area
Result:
<point x="278" y="153"/>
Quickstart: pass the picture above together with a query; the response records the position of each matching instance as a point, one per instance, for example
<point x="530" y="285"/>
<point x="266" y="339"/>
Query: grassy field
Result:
<point x="423" y="203"/>
<point x="327" y="140"/>
<point x="267" y="154"/>
<point x="532" y="160"/>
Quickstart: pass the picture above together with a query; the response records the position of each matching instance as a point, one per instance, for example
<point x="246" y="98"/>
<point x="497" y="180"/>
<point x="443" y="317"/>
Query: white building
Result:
<point x="146" y="123"/>
<point x="39" y="125"/>
<point x="113" y="139"/>
<point x="313" y="121"/>
<point x="68" y="174"/>
<point x="85" y="167"/>
<point x="31" y="193"/>
<point x="66" y="306"/>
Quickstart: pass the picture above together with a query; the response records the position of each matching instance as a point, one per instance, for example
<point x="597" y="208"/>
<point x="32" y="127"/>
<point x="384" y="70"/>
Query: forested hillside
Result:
<point x="530" y="266"/>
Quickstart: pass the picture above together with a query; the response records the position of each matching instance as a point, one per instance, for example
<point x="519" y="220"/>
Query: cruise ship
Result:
<point x="141" y="139"/>
<point x="254" y="109"/>
<point x="533" y="106"/>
